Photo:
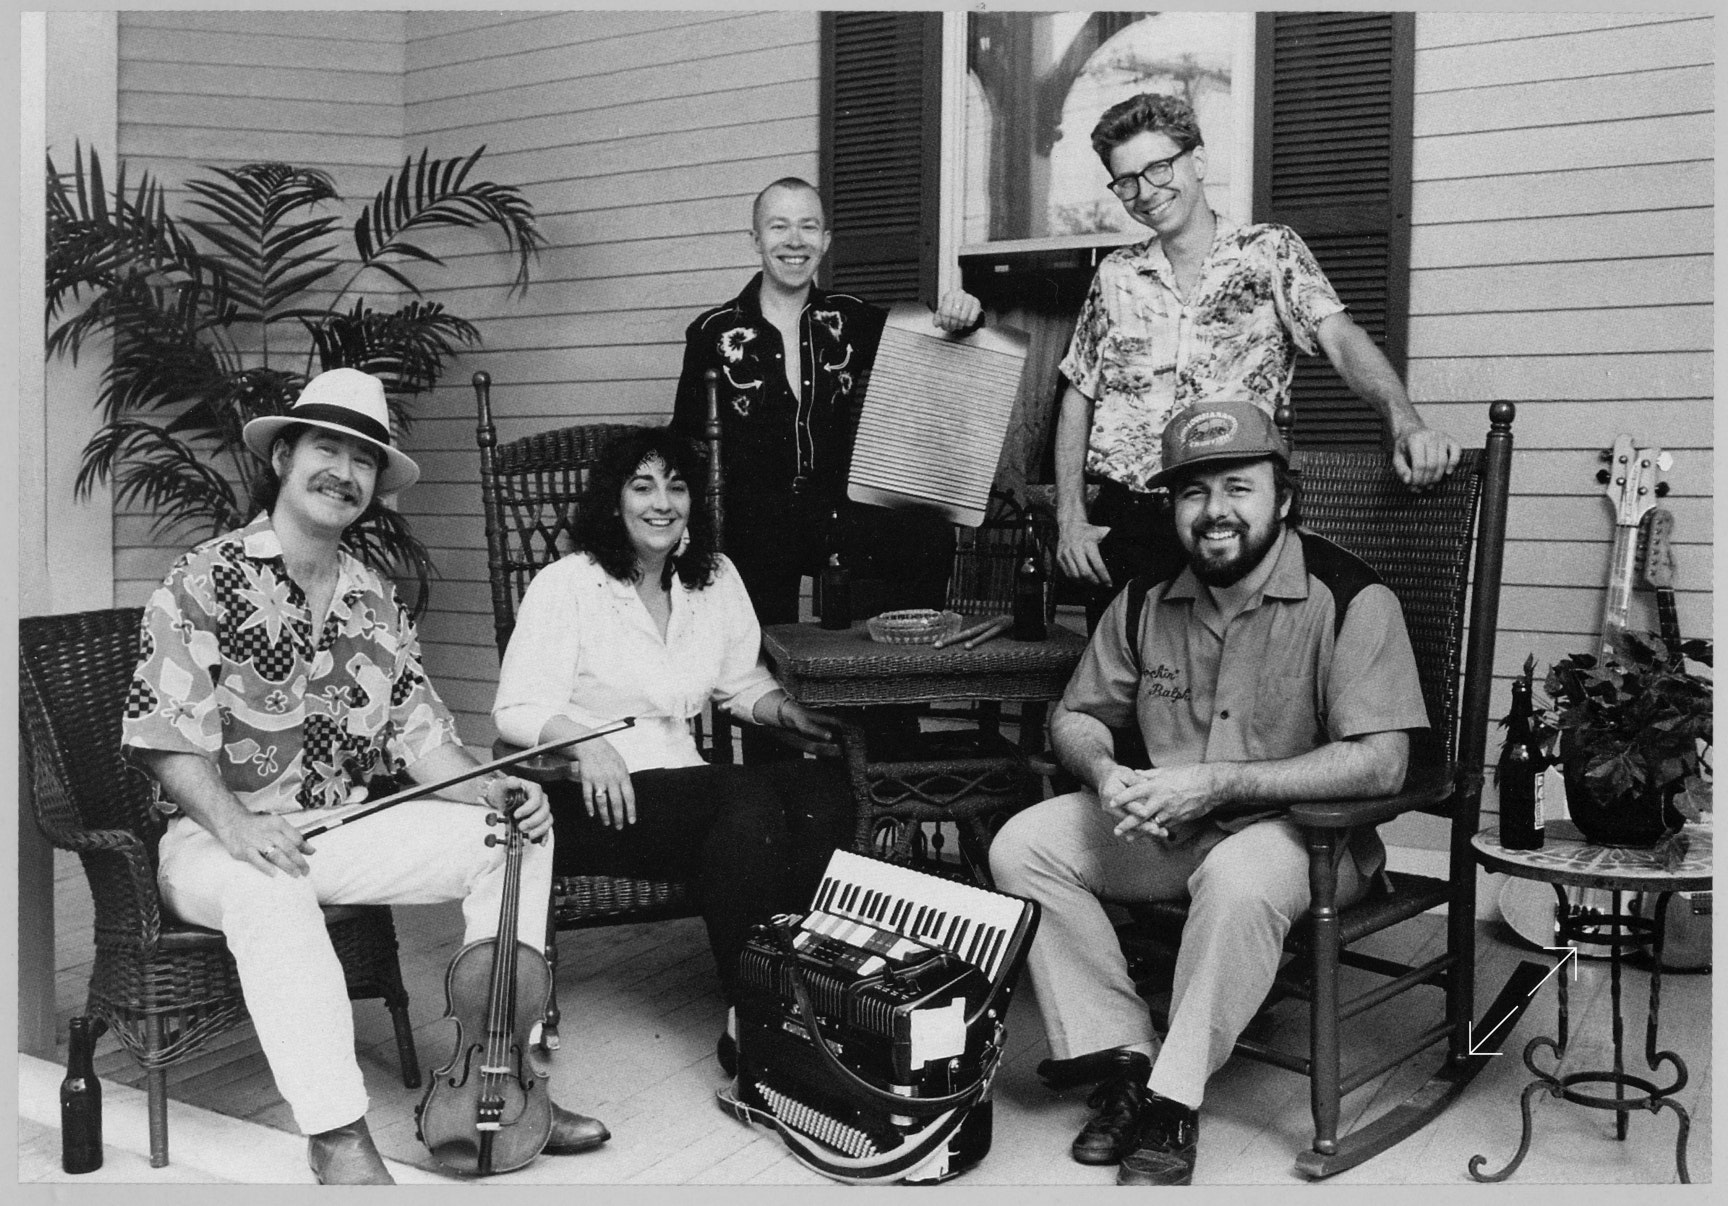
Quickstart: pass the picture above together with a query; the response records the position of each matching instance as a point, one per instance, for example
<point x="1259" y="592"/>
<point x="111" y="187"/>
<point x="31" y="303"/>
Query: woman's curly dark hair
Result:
<point x="599" y="528"/>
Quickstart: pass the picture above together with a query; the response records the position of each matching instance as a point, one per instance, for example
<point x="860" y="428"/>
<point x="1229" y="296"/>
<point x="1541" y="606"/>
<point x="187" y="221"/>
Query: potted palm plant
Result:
<point x="1635" y="728"/>
<point x="223" y="315"/>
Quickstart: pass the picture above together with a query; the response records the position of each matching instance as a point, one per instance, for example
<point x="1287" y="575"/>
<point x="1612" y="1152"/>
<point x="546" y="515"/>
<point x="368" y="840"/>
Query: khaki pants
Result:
<point x="1245" y="890"/>
<point x="421" y="852"/>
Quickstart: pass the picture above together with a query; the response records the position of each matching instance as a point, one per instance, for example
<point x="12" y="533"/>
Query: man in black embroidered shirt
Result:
<point x="787" y="424"/>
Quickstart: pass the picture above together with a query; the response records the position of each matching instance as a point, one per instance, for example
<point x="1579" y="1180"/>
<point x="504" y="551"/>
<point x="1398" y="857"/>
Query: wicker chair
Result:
<point x="165" y="988"/>
<point x="1440" y="552"/>
<point x="529" y="490"/>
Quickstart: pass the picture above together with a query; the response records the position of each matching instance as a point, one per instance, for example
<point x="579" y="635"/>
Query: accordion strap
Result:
<point x="885" y="1166"/>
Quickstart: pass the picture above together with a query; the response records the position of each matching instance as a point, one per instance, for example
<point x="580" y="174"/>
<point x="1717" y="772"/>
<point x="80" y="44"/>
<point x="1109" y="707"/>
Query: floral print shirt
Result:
<point x="1141" y="353"/>
<point x="780" y="444"/>
<point x="232" y="670"/>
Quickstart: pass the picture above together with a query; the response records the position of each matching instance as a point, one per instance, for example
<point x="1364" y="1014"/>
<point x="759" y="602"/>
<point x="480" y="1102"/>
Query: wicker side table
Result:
<point x="1566" y="860"/>
<point x="973" y="788"/>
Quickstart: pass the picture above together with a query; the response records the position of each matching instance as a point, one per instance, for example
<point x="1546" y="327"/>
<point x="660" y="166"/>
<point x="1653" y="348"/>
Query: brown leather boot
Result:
<point x="347" y="1156"/>
<point x="573" y="1133"/>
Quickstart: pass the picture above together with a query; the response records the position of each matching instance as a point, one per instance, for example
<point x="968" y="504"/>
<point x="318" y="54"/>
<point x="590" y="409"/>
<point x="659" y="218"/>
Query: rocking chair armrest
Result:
<point x="1423" y="788"/>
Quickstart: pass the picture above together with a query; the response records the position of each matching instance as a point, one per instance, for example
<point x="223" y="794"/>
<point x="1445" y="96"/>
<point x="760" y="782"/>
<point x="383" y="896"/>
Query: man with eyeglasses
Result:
<point x="1205" y="308"/>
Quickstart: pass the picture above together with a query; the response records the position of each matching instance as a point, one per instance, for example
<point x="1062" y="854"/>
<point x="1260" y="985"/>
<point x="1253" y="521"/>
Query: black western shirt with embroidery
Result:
<point x="783" y="451"/>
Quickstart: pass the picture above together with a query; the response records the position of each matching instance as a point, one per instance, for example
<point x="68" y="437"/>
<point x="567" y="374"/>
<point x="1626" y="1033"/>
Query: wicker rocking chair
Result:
<point x="1440" y="552"/>
<point x="164" y="987"/>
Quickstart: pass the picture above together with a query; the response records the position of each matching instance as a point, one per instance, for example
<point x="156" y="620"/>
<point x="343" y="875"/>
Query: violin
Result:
<point x="488" y="1110"/>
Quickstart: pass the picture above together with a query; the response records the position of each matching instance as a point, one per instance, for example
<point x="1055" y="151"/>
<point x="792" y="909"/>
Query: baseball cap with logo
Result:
<point x="1224" y="430"/>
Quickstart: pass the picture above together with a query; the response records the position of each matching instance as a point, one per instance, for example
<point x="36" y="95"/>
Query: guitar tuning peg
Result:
<point x="1602" y="475"/>
<point x="1665" y="461"/>
<point x="1605" y="455"/>
<point x="1661" y="489"/>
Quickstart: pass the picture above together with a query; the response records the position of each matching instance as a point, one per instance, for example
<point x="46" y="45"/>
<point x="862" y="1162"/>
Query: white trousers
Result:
<point x="1244" y="888"/>
<point x="421" y="852"/>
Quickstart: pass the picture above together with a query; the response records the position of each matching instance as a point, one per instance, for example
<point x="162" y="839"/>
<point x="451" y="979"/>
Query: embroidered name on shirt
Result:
<point x="1160" y="682"/>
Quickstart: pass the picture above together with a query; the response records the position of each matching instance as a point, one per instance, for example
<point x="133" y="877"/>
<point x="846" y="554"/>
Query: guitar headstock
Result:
<point x="1633" y="479"/>
<point x="1655" y="553"/>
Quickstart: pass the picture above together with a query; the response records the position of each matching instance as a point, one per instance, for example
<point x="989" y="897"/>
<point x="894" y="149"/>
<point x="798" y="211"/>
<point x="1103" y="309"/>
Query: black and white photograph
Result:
<point x="782" y="599"/>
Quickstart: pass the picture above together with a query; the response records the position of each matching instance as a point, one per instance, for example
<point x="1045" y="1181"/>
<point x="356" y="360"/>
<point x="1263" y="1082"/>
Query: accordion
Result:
<point x="869" y="1030"/>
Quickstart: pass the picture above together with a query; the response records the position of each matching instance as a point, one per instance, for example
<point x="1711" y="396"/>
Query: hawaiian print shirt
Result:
<point x="780" y="445"/>
<point x="231" y="670"/>
<point x="1141" y="353"/>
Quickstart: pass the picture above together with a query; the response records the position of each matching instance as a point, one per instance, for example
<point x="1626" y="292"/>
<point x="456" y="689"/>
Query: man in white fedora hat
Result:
<point x="280" y="674"/>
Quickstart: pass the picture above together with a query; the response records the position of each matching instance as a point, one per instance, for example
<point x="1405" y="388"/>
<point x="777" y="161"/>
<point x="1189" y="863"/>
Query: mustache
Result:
<point x="326" y="481"/>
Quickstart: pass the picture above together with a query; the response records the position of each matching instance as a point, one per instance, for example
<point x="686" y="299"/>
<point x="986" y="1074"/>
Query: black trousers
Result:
<point x="899" y="557"/>
<point x="751" y="840"/>
<point x="1142" y="539"/>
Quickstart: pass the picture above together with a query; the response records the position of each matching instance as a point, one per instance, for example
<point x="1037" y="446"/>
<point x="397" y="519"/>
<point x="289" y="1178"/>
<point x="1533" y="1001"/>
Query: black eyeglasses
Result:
<point x="1157" y="173"/>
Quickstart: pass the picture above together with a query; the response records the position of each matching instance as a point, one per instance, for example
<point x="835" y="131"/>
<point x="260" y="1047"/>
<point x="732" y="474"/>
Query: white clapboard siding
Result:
<point x="1562" y="257"/>
<point x="641" y="138"/>
<point x="317" y="89"/>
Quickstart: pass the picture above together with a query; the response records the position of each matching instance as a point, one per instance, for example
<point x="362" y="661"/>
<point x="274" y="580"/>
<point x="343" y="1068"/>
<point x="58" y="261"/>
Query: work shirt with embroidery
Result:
<point x="1141" y="353"/>
<point x="232" y="670"/>
<point x="1275" y="682"/>
<point x="780" y="444"/>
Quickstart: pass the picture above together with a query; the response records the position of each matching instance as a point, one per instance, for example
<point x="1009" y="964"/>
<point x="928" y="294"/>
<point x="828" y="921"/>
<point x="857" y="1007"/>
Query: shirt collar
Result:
<point x="1149" y="255"/>
<point x="258" y="540"/>
<point x="750" y="301"/>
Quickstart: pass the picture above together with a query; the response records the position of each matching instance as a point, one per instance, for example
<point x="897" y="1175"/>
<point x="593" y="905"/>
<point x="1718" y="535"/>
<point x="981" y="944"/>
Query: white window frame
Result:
<point x="952" y="184"/>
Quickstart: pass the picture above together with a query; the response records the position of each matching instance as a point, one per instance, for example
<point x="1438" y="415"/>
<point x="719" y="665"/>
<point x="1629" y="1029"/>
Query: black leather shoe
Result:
<point x="1092" y="1068"/>
<point x="1164" y="1145"/>
<point x="726" y="1051"/>
<point x="347" y="1156"/>
<point x="573" y="1133"/>
<point x="1119" y="1102"/>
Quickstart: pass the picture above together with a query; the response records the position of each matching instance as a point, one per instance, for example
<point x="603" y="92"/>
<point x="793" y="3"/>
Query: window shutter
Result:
<point x="881" y="152"/>
<point x="1334" y="94"/>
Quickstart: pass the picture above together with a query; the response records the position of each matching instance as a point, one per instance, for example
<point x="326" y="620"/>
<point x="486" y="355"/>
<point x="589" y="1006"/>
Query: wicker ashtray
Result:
<point x="917" y="626"/>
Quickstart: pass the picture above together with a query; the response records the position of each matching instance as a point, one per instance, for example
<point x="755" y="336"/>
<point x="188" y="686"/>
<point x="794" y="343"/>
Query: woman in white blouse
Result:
<point x="646" y="618"/>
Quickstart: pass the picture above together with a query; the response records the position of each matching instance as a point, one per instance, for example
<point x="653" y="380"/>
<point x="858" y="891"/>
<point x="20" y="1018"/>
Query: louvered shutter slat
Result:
<point x="1333" y="162"/>
<point x="880" y="142"/>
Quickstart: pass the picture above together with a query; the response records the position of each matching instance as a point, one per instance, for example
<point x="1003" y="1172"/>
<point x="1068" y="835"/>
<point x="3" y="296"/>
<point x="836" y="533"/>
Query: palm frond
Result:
<point x="150" y="467"/>
<point x="388" y="544"/>
<point x="435" y="192"/>
<point x="407" y="349"/>
<point x="249" y="208"/>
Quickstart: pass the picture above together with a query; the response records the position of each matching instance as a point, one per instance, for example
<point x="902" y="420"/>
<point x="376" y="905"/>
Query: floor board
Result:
<point x="641" y="1014"/>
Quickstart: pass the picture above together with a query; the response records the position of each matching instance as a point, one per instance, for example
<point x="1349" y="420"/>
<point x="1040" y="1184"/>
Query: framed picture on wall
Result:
<point x="1035" y="84"/>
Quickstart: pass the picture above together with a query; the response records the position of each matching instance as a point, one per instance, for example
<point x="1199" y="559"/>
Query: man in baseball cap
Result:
<point x="1272" y="667"/>
<point x="280" y="674"/>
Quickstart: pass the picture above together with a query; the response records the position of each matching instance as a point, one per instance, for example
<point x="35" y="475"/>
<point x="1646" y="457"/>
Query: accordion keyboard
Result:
<point x="886" y="914"/>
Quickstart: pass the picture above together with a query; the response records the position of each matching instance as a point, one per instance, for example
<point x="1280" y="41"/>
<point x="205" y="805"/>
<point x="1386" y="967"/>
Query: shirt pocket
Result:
<point x="1285" y="720"/>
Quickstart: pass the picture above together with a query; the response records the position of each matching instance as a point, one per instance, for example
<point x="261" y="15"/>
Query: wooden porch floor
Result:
<point x="641" y="1015"/>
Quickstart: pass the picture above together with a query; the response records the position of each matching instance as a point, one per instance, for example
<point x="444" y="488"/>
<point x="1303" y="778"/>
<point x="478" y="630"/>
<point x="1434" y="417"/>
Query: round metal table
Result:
<point x="1565" y="860"/>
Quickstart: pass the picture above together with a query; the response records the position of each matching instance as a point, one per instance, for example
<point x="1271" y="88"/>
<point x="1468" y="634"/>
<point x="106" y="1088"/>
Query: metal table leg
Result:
<point x="1579" y="925"/>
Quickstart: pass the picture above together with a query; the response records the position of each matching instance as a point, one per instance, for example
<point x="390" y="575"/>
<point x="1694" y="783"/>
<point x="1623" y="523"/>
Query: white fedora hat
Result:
<point x="351" y="402"/>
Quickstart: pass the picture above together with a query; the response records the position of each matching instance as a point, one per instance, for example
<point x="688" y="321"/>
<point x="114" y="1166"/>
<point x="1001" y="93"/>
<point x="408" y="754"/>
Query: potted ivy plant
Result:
<point x="1635" y="730"/>
<point x="221" y="316"/>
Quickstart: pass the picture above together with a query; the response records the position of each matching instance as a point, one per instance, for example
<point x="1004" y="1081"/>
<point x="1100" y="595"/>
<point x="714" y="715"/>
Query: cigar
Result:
<point x="999" y="626"/>
<point x="973" y="631"/>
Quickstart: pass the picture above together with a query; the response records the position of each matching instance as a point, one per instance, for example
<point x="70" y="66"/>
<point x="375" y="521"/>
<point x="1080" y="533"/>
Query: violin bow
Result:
<point x="324" y="824"/>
